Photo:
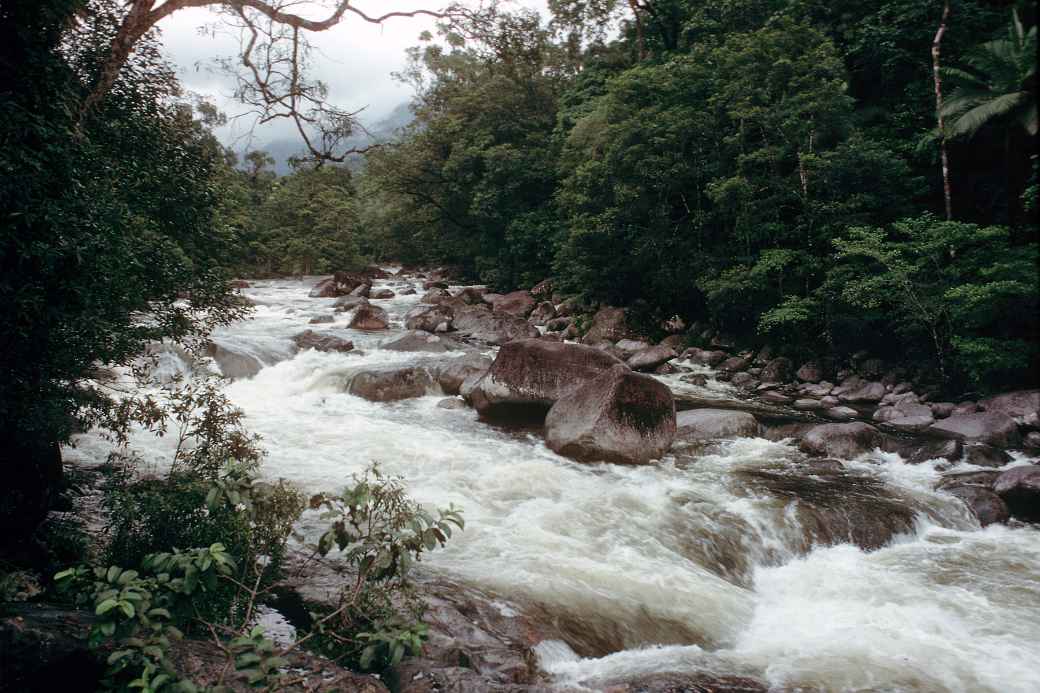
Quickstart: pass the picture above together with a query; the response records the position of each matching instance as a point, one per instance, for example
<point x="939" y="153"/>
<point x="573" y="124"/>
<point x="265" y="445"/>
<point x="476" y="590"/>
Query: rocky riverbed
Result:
<point x="641" y="517"/>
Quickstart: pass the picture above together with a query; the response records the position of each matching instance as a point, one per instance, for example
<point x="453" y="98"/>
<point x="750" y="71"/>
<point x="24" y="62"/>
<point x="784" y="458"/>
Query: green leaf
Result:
<point x="105" y="606"/>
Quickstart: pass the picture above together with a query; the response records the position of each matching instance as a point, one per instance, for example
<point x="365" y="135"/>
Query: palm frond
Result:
<point x="1029" y="118"/>
<point x="969" y="122"/>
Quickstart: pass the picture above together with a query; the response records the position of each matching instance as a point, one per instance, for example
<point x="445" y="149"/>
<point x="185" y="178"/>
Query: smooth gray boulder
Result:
<point x="532" y="374"/>
<point x="649" y="359"/>
<point x="452" y="372"/>
<point x="390" y="384"/>
<point x="618" y="416"/>
<point x="990" y="427"/>
<point x="864" y="394"/>
<point x="695" y="425"/>
<point x="844" y="441"/>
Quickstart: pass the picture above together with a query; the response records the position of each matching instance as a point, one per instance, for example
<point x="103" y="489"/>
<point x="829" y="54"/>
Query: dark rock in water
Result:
<point x="370" y="318"/>
<point x="608" y="324"/>
<point x="533" y="374"/>
<point x="666" y="369"/>
<point x="309" y="339"/>
<point x="517" y="303"/>
<point x="773" y="397"/>
<point x="345" y="303"/>
<point x="418" y="340"/>
<point x="434" y="284"/>
<point x="983" y="479"/>
<point x="361" y="290"/>
<point x="489" y="327"/>
<point x="918" y="451"/>
<point x="392" y="384"/>
<point x="991" y="427"/>
<point x="649" y="359"/>
<point x="407" y="292"/>
<point x="678" y="683"/>
<point x="327" y="288"/>
<point x="743" y="380"/>
<point x="698" y="379"/>
<point x="703" y="357"/>
<point x="619" y="416"/>
<point x="843" y="441"/>
<point x="982" y="455"/>
<point x="44" y="648"/>
<point x="697" y="425"/>
<point x="451" y="403"/>
<point x="1020" y="489"/>
<point x="542" y="313"/>
<point x="987" y="506"/>
<point x="1031" y="441"/>
<point x="834" y="506"/>
<point x="382" y="294"/>
<point x="321" y="319"/>
<point x="428" y="317"/>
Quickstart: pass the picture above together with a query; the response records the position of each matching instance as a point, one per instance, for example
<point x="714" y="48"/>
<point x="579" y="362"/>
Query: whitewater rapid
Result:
<point x="681" y="565"/>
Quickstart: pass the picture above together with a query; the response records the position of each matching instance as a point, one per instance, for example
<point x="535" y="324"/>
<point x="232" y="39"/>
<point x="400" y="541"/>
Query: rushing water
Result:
<point x="703" y="561"/>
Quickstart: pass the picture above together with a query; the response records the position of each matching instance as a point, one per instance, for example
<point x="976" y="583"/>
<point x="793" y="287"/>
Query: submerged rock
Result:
<point x="345" y="303"/>
<point x="987" y="507"/>
<point x="234" y="363"/>
<point x="710" y="424"/>
<point x="530" y="375"/>
<point x="678" y="683"/>
<point x="618" y="416"/>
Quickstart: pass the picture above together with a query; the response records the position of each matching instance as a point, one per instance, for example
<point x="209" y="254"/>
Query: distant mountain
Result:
<point x="384" y="129"/>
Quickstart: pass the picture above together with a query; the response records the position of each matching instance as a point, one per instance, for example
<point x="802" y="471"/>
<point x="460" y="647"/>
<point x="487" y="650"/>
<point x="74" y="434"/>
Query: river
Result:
<point x="682" y="565"/>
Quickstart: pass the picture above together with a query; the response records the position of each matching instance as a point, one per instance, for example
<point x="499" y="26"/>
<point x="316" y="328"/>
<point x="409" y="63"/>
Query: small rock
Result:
<point x="321" y="319"/>
<point x="982" y="455"/>
<point x="649" y="359"/>
<point x="451" y="403"/>
<point x="840" y="413"/>
<point x="844" y="441"/>
<point x="810" y="372"/>
<point x="808" y="404"/>
<point x="773" y="397"/>
<point x="941" y="410"/>
<point x="990" y="427"/>
<point x="868" y="392"/>
<point x="1031" y="441"/>
<point x="309" y="339"/>
<point x="382" y="294"/>
<point x="697" y="425"/>
<point x="777" y="370"/>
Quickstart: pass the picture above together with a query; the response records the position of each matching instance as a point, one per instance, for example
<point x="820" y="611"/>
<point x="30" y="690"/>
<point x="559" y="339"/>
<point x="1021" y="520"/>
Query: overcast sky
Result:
<point x="355" y="58"/>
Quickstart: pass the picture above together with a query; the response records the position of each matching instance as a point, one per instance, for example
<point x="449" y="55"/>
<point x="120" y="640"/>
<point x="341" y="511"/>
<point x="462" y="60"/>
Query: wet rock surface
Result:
<point x="709" y="424"/>
<point x="618" y="416"/>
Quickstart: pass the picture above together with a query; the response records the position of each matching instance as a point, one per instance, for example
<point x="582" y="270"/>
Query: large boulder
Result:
<point x="649" y="359"/>
<point x="471" y="295"/>
<point x="811" y="372"/>
<point x="451" y="373"/>
<point x="543" y="290"/>
<point x="989" y="427"/>
<point x="558" y="324"/>
<point x="392" y="383"/>
<point x="489" y="327"/>
<point x="428" y="317"/>
<point x="530" y="375"/>
<point x="1020" y="489"/>
<point x="697" y="425"/>
<point x="381" y="293"/>
<point x="370" y="318"/>
<point x="418" y="340"/>
<point x="1021" y="405"/>
<point x="326" y="288"/>
<point x="843" y="441"/>
<point x="734" y="364"/>
<point x="629" y="347"/>
<point x="517" y="303"/>
<point x="309" y="339"/>
<point x="435" y="296"/>
<point x="608" y="325"/>
<point x="986" y="506"/>
<point x="618" y="416"/>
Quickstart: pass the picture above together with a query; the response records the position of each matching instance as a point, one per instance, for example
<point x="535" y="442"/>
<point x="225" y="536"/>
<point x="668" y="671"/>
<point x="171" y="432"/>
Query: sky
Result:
<point x="355" y="58"/>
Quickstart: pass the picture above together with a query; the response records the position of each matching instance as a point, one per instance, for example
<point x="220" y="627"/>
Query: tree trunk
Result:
<point x="936" y="45"/>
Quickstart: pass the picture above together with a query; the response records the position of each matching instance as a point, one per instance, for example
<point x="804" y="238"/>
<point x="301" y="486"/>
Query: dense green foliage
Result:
<point x="709" y="161"/>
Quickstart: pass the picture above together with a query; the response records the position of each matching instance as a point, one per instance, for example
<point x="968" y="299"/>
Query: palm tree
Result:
<point x="998" y="85"/>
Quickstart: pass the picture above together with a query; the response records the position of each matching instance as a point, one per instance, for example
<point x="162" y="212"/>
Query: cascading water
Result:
<point x="724" y="558"/>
